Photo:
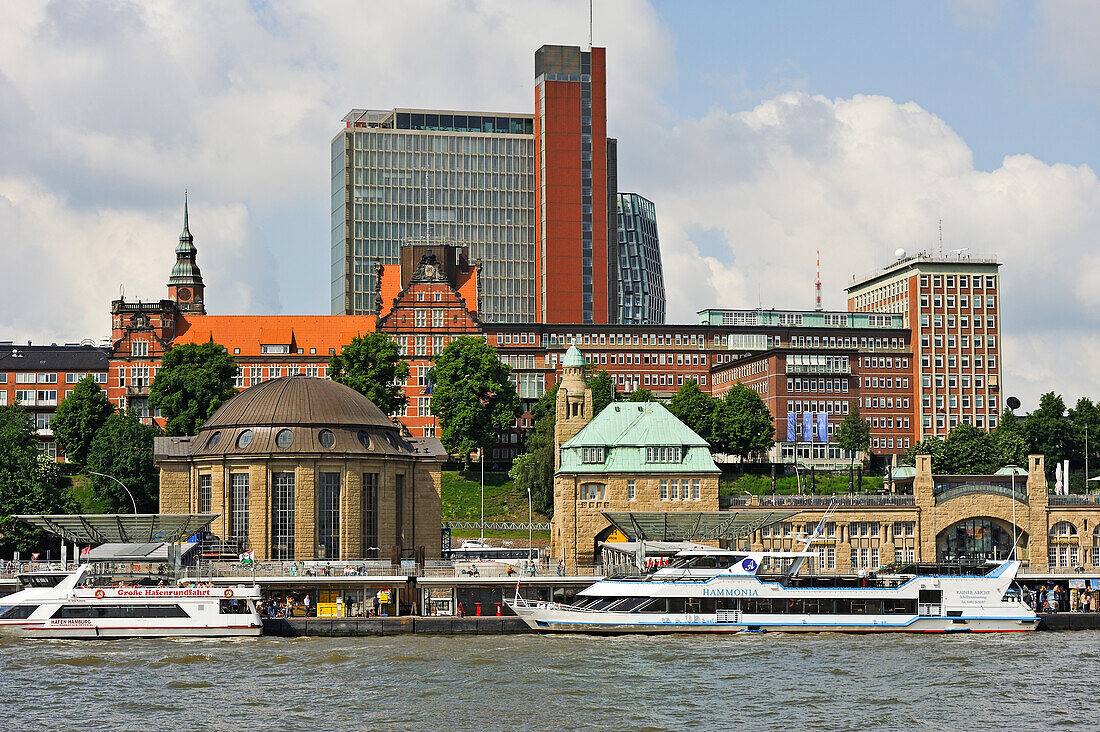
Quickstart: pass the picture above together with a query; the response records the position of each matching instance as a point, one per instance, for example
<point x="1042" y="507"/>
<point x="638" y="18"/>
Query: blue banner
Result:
<point x="790" y="427"/>
<point x="822" y="427"/>
<point x="808" y="426"/>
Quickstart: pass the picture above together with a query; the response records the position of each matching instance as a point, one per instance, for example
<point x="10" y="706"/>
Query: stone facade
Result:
<point x="875" y="533"/>
<point x="399" y="517"/>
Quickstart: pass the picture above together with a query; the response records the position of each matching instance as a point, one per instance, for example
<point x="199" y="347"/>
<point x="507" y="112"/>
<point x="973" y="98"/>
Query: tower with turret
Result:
<point x="185" y="286"/>
<point x="573" y="408"/>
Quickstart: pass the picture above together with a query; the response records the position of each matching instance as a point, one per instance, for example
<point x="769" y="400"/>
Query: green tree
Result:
<point x="641" y="394"/>
<point x="603" y="389"/>
<point x="743" y="424"/>
<point x="1009" y="443"/>
<point x="534" y="469"/>
<point x="969" y="450"/>
<point x="696" y="409"/>
<point x="123" y="449"/>
<point x="1084" y="419"/>
<point x="933" y="446"/>
<point x="473" y="398"/>
<point x="372" y="365"/>
<point x="193" y="381"/>
<point x="1047" y="429"/>
<point x="853" y="435"/>
<point x="79" y="416"/>
<point x="29" y="483"/>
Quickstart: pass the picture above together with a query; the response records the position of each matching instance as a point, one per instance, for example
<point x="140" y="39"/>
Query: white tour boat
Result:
<point x="721" y="591"/>
<point x="59" y="605"/>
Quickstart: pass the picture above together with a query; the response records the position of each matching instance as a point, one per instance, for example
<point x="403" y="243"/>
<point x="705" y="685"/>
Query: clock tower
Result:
<point x="185" y="285"/>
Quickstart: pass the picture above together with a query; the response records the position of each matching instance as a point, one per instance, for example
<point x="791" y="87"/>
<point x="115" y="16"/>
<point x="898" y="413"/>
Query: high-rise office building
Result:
<point x="952" y="306"/>
<point x="431" y="176"/>
<point x="532" y="197"/>
<point x="575" y="181"/>
<point x="641" y="279"/>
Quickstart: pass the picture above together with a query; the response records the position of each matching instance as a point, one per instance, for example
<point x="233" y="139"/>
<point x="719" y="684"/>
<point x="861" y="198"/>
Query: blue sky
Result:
<point x="978" y="68"/>
<point x="762" y="131"/>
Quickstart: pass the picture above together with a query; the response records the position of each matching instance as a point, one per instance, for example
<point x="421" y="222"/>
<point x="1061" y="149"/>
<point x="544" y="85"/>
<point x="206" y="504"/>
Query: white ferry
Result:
<point x="720" y="591"/>
<point x="58" y="605"/>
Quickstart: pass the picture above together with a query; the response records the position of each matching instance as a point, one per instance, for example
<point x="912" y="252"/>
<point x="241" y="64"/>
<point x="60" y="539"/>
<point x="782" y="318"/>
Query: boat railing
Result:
<point x="386" y="568"/>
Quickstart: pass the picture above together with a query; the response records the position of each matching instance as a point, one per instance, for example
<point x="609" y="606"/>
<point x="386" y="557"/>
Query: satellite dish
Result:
<point x="1013" y="403"/>
<point x="899" y="254"/>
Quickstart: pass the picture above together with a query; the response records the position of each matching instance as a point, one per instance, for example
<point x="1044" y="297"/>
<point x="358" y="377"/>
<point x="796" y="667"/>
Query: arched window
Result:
<point x="1063" y="550"/>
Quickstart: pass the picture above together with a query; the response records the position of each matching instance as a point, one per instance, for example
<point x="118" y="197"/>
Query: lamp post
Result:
<point x="481" y="459"/>
<point x="530" y="527"/>
<point x="104" y="475"/>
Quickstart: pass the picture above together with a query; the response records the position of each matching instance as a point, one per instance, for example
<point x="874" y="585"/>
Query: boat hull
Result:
<point x="44" y="630"/>
<point x="551" y="620"/>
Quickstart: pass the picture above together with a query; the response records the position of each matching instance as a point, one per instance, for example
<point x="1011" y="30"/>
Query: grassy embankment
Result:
<point x="762" y="484"/>
<point x="503" y="502"/>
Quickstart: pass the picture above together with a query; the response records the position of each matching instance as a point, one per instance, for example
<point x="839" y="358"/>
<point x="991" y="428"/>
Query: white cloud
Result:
<point x="108" y="110"/>
<point x="859" y="178"/>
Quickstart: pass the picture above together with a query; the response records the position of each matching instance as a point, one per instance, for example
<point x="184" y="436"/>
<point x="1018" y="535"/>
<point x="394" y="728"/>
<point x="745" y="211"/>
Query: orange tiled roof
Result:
<point x="467" y="288"/>
<point x="249" y="332"/>
<point x="389" y="287"/>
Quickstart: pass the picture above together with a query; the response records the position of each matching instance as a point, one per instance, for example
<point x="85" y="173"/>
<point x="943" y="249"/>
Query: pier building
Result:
<point x="305" y="468"/>
<point x="632" y="456"/>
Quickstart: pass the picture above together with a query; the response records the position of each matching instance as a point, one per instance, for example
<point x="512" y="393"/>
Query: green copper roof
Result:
<point x="625" y="430"/>
<point x="573" y="357"/>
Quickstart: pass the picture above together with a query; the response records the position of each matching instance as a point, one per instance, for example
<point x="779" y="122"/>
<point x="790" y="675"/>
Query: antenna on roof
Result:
<point x="589" y="25"/>
<point x="817" y="284"/>
<point x="941" y="237"/>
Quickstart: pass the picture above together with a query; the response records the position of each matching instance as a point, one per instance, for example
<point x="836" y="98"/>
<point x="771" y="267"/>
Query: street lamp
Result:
<point x="104" y="475"/>
<point x="530" y="527"/>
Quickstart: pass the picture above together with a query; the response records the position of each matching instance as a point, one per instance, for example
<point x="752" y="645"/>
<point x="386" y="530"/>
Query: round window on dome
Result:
<point x="326" y="438"/>
<point x="214" y="439"/>
<point x="284" y="439"/>
<point x="244" y="439"/>
<point x="364" y="438"/>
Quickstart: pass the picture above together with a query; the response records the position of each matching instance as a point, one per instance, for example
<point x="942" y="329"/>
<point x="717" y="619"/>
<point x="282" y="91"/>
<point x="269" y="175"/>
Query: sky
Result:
<point x="762" y="131"/>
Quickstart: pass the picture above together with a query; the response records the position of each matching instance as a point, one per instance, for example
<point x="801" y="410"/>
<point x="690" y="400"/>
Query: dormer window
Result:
<point x="273" y="349"/>
<point x="669" y="454"/>
<point x="592" y="454"/>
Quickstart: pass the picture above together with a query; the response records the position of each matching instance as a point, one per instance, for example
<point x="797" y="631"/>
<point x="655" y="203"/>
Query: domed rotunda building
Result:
<point x="306" y="468"/>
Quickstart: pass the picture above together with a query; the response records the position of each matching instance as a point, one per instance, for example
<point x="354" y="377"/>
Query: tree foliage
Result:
<point x="79" y="416"/>
<point x="970" y="450"/>
<point x="372" y="365"/>
<point x="1047" y="430"/>
<point x="123" y="449"/>
<point x="854" y="434"/>
<point x="697" y="409"/>
<point x="641" y="394"/>
<point x="743" y="423"/>
<point x="29" y="483"/>
<point x="603" y="389"/>
<point x="472" y="397"/>
<point x="193" y="381"/>
<point x="534" y="469"/>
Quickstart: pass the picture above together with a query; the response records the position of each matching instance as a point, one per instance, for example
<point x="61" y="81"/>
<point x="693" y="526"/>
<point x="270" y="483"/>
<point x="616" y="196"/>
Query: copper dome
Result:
<point x="298" y="400"/>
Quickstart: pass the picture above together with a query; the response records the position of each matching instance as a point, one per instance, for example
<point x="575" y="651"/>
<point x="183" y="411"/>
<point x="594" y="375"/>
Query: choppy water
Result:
<point x="758" y="681"/>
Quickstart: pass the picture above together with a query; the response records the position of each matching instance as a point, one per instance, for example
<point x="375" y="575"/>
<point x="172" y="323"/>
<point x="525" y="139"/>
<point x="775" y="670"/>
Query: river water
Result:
<point x="753" y="681"/>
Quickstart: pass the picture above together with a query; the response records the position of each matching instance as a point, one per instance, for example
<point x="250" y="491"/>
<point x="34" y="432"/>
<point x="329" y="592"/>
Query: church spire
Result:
<point x="185" y="285"/>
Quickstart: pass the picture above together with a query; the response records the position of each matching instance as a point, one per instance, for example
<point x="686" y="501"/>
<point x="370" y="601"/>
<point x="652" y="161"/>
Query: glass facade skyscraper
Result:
<point x="641" y="278"/>
<point x="465" y="178"/>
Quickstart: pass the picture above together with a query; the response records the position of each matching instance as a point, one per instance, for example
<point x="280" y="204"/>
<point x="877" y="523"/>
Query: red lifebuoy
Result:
<point x="100" y="594"/>
<point x="228" y="593"/>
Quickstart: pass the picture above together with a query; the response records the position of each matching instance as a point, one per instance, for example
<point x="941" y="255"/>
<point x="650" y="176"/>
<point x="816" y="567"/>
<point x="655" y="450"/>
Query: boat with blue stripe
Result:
<point x="705" y="590"/>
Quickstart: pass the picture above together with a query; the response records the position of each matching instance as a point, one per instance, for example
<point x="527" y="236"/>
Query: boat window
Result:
<point x="704" y="562"/>
<point x="120" y="611"/>
<point x="41" y="580"/>
<point x="17" y="612"/>
<point x="233" y="607"/>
